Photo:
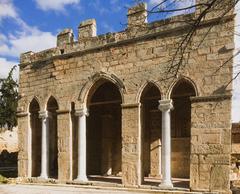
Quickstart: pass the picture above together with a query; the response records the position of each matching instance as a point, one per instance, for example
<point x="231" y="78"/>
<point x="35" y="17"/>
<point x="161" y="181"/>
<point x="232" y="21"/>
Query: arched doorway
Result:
<point x="181" y="128"/>
<point x="151" y="131"/>
<point x="104" y="140"/>
<point x="52" y="107"/>
<point x="36" y="139"/>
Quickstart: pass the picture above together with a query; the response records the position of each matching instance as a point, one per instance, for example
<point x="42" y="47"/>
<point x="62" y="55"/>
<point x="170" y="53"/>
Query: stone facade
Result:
<point x="66" y="79"/>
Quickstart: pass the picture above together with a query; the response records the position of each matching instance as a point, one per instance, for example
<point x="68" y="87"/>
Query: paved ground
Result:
<point x="37" y="189"/>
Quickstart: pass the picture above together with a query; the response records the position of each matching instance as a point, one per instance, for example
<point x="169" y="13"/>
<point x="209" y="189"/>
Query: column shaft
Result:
<point x="45" y="146"/>
<point x="82" y="146"/>
<point x="166" y="106"/>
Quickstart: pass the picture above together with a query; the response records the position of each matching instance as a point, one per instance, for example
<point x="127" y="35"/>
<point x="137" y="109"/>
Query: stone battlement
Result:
<point x="137" y="28"/>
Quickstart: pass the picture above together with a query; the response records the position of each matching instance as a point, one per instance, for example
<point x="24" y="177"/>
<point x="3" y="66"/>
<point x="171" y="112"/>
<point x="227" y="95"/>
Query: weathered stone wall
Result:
<point x="131" y="59"/>
<point x="23" y="164"/>
<point x="63" y="146"/>
<point x="210" y="143"/>
<point x="131" y="154"/>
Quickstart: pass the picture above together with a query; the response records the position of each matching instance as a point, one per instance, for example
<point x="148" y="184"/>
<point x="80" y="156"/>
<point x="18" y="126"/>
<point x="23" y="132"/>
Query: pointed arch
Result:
<point x="95" y="81"/>
<point x="180" y="80"/>
<point x="144" y="87"/>
<point x="52" y="103"/>
<point x="34" y="103"/>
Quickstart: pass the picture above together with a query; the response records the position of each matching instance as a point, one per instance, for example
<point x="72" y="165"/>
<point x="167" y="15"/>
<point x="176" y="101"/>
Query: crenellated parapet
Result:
<point x="137" y="29"/>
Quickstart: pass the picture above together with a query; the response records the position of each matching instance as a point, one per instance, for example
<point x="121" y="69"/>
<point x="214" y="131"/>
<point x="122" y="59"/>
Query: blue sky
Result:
<point x="34" y="24"/>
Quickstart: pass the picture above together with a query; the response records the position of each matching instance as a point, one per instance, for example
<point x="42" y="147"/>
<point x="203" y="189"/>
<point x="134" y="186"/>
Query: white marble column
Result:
<point x="45" y="115"/>
<point x="165" y="106"/>
<point x="82" y="145"/>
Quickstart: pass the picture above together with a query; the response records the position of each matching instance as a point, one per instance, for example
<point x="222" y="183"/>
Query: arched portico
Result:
<point x="99" y="128"/>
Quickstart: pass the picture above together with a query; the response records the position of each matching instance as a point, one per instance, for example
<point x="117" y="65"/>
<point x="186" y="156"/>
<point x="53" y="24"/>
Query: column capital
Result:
<point x="82" y="112"/>
<point x="165" y="105"/>
<point x="45" y="114"/>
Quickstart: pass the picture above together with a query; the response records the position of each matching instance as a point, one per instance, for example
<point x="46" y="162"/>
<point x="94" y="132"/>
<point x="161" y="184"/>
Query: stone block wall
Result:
<point x="131" y="155"/>
<point x="210" y="143"/>
<point x="130" y="59"/>
<point x="64" y="146"/>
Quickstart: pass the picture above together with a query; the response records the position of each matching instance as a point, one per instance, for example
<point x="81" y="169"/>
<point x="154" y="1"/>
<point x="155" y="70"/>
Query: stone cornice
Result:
<point x="214" y="98"/>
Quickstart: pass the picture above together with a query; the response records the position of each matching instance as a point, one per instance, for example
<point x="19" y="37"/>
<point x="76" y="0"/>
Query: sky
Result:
<point x="33" y="25"/>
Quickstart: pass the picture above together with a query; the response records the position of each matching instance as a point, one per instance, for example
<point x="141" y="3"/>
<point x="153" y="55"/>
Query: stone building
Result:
<point x="98" y="106"/>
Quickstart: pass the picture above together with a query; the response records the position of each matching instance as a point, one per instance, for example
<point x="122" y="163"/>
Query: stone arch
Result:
<point x="96" y="80"/>
<point x="36" y="99"/>
<point x="46" y="100"/>
<point x="179" y="80"/>
<point x="41" y="101"/>
<point x="143" y="87"/>
<point x="52" y="103"/>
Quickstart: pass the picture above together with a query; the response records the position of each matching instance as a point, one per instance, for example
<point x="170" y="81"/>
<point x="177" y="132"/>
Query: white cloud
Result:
<point x="26" y="38"/>
<point x="5" y="67"/>
<point x="27" y="41"/>
<point x="56" y="5"/>
<point x="7" y="9"/>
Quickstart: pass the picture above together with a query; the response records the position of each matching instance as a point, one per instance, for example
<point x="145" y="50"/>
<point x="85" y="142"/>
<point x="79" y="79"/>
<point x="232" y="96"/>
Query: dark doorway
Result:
<point x="52" y="107"/>
<point x="104" y="142"/>
<point x="36" y="130"/>
<point x="181" y="128"/>
<point x="151" y="131"/>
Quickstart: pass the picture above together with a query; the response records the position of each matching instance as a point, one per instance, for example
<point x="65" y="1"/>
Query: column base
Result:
<point x="166" y="185"/>
<point x="43" y="176"/>
<point x="81" y="179"/>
